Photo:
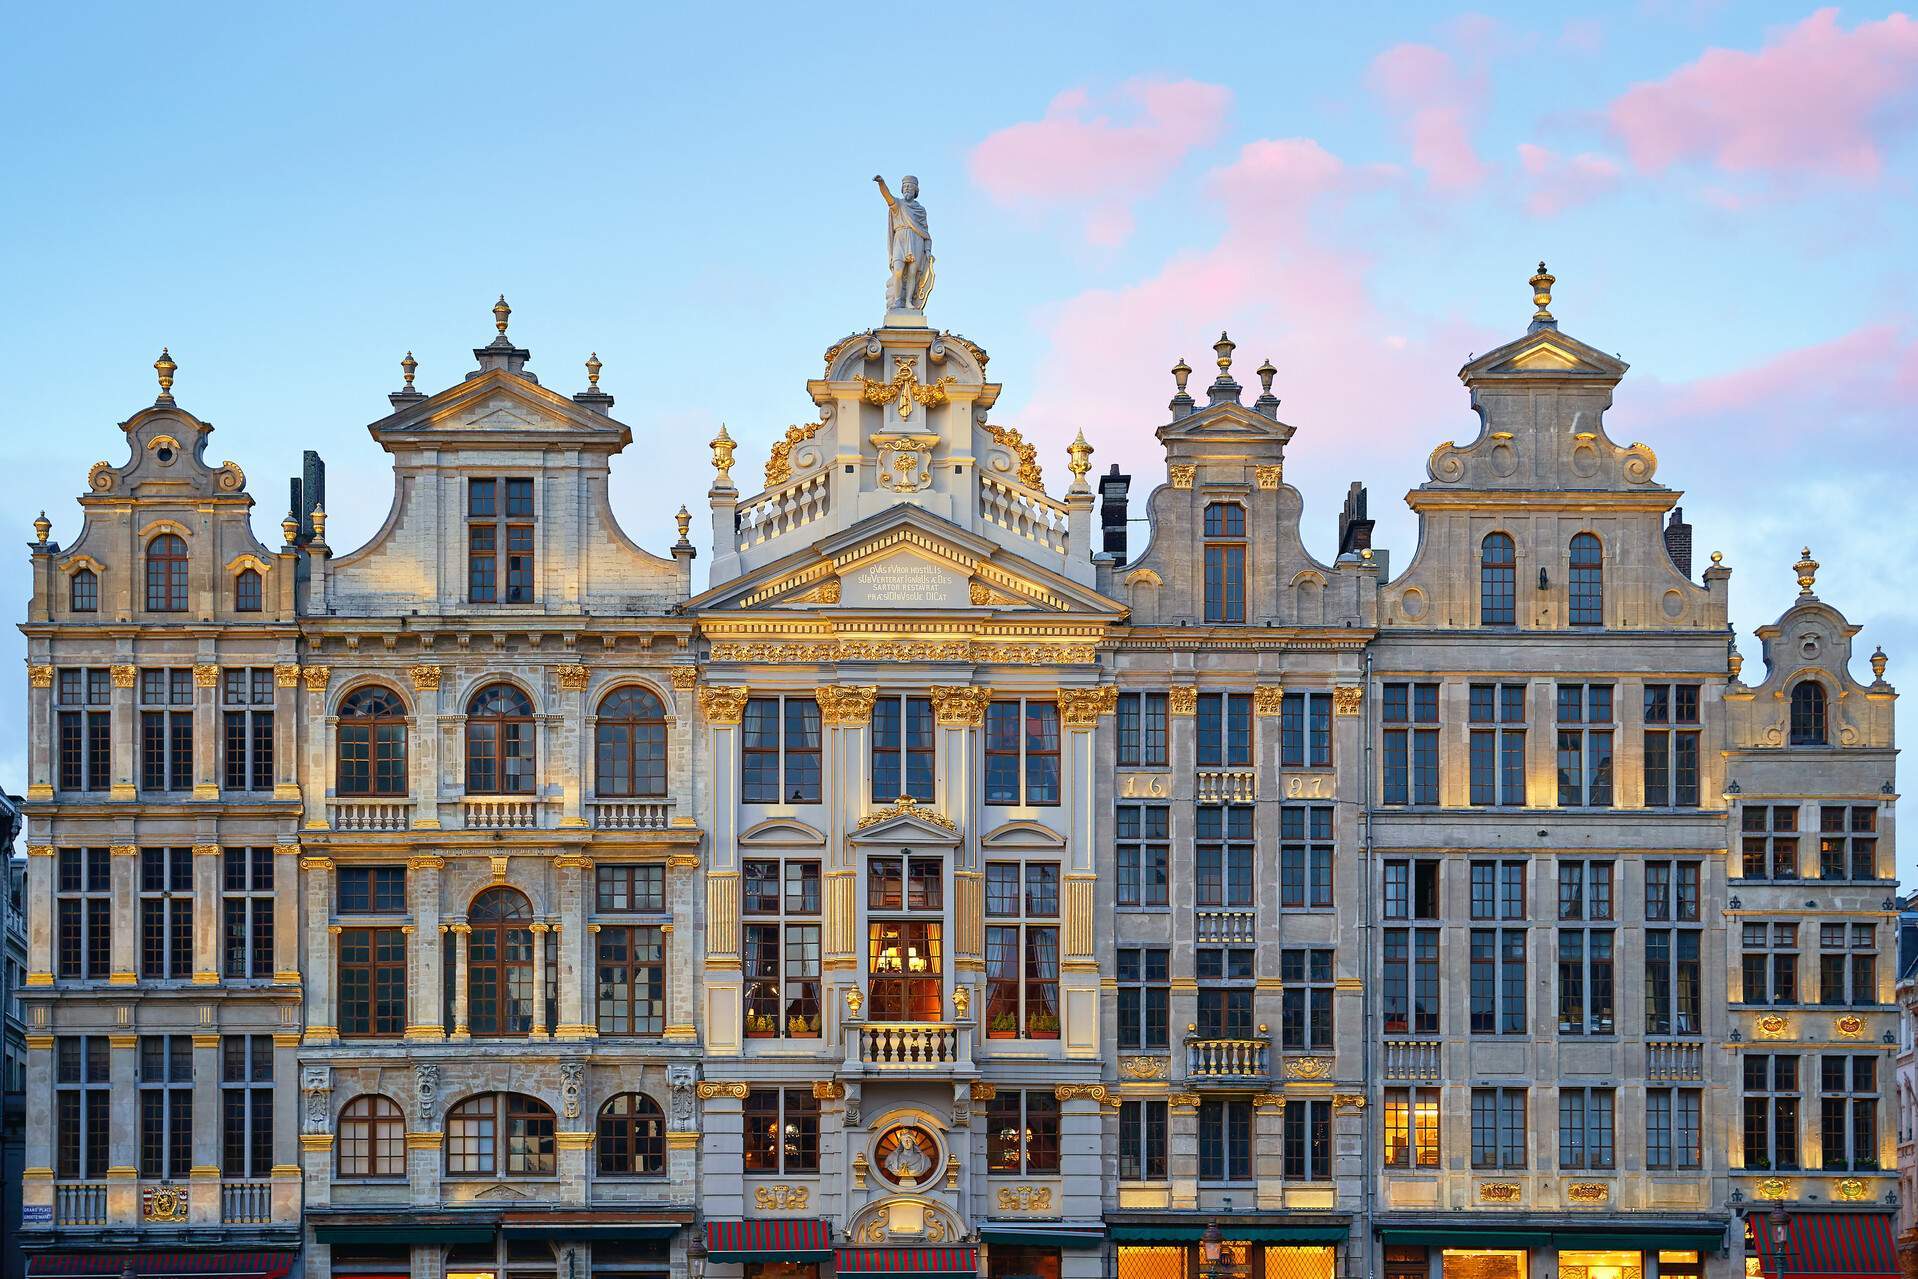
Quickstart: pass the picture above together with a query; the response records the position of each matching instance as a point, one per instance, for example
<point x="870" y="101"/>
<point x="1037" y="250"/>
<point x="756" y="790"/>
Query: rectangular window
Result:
<point x="1585" y="981"/>
<point x="246" y="744"/>
<point x="1022" y="753"/>
<point x="779" y="751"/>
<point x="1770" y="841"/>
<point x="1225" y="993"/>
<point x="1411" y="889"/>
<point x="1305" y="856"/>
<point x="373" y="982"/>
<point x="902" y="748"/>
<point x="1848" y="842"/>
<point x="372" y="890"/>
<point x="1585" y="745"/>
<point x="1848" y="964"/>
<point x="905" y="944"/>
<point x="1142" y="730"/>
<point x="629" y="953"/>
<point x="246" y="1105"/>
<point x="1771" y="1110"/>
<point x="1410" y="714"/>
<point x="83" y="914"/>
<point x="1672" y="982"/>
<point x="1671" y="745"/>
<point x="1305" y="730"/>
<point x="1224" y="563"/>
<point x="1498" y="981"/>
<point x="1225" y="1140"/>
<point x="1848" y="1112"/>
<point x="166" y="914"/>
<point x="1144" y="998"/>
<point x="499" y="524"/>
<point x="1498" y="1128"/>
<point x="781" y="903"/>
<point x="1222" y="856"/>
<point x="635" y="888"/>
<point x="246" y="923"/>
<point x="1769" y="962"/>
<point x="83" y="728"/>
<point x="1497" y="719"/>
<point x="1143" y="851"/>
<point x="1022" y="1132"/>
<point x="166" y="1106"/>
<point x="1498" y="890"/>
<point x="1224" y="729"/>
<point x="1305" y="1004"/>
<point x="1143" y="1144"/>
<point x="1307" y="1144"/>
<point x="82" y="1106"/>
<point x="166" y="734"/>
<point x="1022" y="950"/>
<point x="1412" y="1128"/>
<point x="782" y="1130"/>
<point x="1411" y="973"/>
<point x="1586" y="1124"/>
<point x="1672" y="1128"/>
<point x="1671" y="891"/>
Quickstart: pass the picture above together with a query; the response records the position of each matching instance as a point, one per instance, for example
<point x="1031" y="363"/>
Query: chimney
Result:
<point x="1355" y="531"/>
<point x="1113" y="487"/>
<point x="1678" y="541"/>
<point x="306" y="491"/>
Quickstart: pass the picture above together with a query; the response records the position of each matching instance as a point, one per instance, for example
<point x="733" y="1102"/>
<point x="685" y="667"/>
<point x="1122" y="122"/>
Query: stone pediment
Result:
<point x="1544" y="353"/>
<point x="906" y="559"/>
<point x="1227" y="421"/>
<point x="907" y="822"/>
<point x="496" y="404"/>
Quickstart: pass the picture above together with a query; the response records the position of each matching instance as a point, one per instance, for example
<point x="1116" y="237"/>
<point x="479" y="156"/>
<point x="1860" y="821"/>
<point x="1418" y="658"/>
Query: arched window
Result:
<point x="372" y="749"/>
<point x="632" y="1137"/>
<point x="630" y="743"/>
<point x="1497" y="581"/>
<point x="499" y="964"/>
<point x="479" y="1128"/>
<point x="83" y="592"/>
<point x="499" y="742"/>
<point x="1808" y="713"/>
<point x="1587" y="581"/>
<point x="246" y="591"/>
<point x="166" y="574"/>
<point x="372" y="1138"/>
<point x="1224" y="562"/>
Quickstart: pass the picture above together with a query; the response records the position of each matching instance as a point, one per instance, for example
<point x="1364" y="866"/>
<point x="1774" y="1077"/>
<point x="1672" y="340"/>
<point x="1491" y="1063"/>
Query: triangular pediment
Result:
<point x="907" y="822"/>
<point x="906" y="559"/>
<point x="1545" y="352"/>
<point x="496" y="404"/>
<point x="1227" y="421"/>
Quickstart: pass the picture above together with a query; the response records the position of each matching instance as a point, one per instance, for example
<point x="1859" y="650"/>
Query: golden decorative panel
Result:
<point x="1025" y="1198"/>
<point x="1852" y="1190"/>
<point x="907" y="806"/>
<point x="782" y="1198"/>
<point x="1008" y="438"/>
<point x="828" y="1090"/>
<point x="1144" y="1067"/>
<point x="1268" y="1101"/>
<point x="1850" y="1026"/>
<point x="983" y="1092"/>
<point x="707" y="1089"/>
<point x="1182" y="476"/>
<point x="722" y="914"/>
<point x="684" y="677"/>
<point x="1067" y="1092"/>
<point x="1772" y="1188"/>
<point x="1588" y="1192"/>
<point x="1499" y="1192"/>
<point x="163" y="1203"/>
<point x="572" y="678"/>
<point x="1308" y="1067"/>
<point x="1348" y="1102"/>
<point x="1772" y="1026"/>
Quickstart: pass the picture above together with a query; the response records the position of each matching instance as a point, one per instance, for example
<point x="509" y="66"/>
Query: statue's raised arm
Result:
<point x="884" y="190"/>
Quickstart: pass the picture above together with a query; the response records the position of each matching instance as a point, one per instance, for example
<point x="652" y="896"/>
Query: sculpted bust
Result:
<point x="909" y="246"/>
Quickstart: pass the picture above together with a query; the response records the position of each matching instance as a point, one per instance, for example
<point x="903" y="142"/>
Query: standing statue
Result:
<point x="909" y="246"/>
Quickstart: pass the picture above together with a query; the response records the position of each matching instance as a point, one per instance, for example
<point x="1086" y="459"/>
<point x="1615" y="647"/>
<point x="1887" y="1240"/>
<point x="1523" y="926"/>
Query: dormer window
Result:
<point x="166" y="574"/>
<point x="1587" y="580"/>
<point x="499" y="541"/>
<point x="1224" y="563"/>
<point x="1808" y="713"/>
<point x="1497" y="581"/>
<point x="246" y="591"/>
<point x="83" y="592"/>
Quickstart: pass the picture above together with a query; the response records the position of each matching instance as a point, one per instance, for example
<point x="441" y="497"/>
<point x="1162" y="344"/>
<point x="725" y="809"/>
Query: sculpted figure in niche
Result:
<point x="909" y="246"/>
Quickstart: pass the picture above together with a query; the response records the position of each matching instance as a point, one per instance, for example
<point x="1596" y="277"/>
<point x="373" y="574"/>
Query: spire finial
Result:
<point x="319" y="524"/>
<point x="407" y="368"/>
<point x="1180" y="372"/>
<point x="593" y="366"/>
<point x="165" y="367"/>
<point x="722" y="446"/>
<point x="1225" y="346"/>
<point x="1266" y="373"/>
<point x="501" y="314"/>
<point x="1877" y="659"/>
<point x="1807" y="570"/>
<point x="1080" y="454"/>
<point x="1542" y="294"/>
<point x="684" y="518"/>
<point x="290" y="527"/>
<point x="42" y="529"/>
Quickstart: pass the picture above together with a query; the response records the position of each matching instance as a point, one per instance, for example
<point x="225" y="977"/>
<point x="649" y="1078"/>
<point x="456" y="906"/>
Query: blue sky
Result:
<point x="292" y="198"/>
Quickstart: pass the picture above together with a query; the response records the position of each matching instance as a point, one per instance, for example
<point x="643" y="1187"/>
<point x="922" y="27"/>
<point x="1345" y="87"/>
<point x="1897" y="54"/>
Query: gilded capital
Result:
<point x="1268" y="699"/>
<point x="124" y="676"/>
<point x="39" y="677"/>
<point x="722" y="703"/>
<point x="286" y="675"/>
<point x="707" y="1089"/>
<point x="572" y="678"/>
<point x="846" y="705"/>
<point x="207" y="850"/>
<point x="1182" y="475"/>
<point x="425" y="679"/>
<point x="1183" y="699"/>
<point x="206" y="675"/>
<point x="1080" y="708"/>
<point x="1346" y="699"/>
<point x="124" y="850"/>
<point x="684" y="677"/>
<point x="1269" y="477"/>
<point x="316" y="677"/>
<point x="960" y="705"/>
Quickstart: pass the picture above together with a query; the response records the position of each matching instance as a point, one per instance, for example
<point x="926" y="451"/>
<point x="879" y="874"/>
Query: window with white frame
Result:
<point x="781" y="905"/>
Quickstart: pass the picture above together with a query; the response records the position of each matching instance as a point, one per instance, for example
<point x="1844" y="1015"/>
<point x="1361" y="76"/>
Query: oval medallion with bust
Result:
<point x="907" y="1156"/>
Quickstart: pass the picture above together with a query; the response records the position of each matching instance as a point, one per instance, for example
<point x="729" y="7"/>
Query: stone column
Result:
<point x="1081" y="1124"/>
<point x="126" y="733"/>
<point x="574" y="1136"/>
<point x="722" y="1157"/>
<point x="425" y="1135"/>
<point x="125" y="947"/>
<point x="315" y="1131"/>
<point x="723" y="706"/>
<point x="1079" y="712"/>
<point x="1182" y="1140"/>
<point x="682" y="958"/>
<point x="206" y="731"/>
<point x="320" y="754"/>
<point x="960" y="710"/>
<point x="42" y="867"/>
<point x="1268" y="1155"/>
<point x="462" y="940"/>
<point x="539" y="931"/>
<point x="845" y="713"/>
<point x="285" y="1170"/>
<point x="320" y="940"/>
<point x="37" y="1178"/>
<point x="423" y="758"/>
<point x="286" y="731"/>
<point x="425" y="1018"/>
<point x="123" y="1131"/>
<point x="682" y="1133"/>
<point x="571" y="760"/>
<point x="203" y="1203"/>
<point x="40" y="734"/>
<point x="575" y="959"/>
<point x="208" y="869"/>
<point x="287" y="929"/>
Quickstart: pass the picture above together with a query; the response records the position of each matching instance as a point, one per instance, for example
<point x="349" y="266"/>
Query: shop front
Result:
<point x="493" y="1245"/>
<point x="1181" y="1251"/>
<point x="1782" y="1244"/>
<point x="199" y="1263"/>
<point x="1662" y="1251"/>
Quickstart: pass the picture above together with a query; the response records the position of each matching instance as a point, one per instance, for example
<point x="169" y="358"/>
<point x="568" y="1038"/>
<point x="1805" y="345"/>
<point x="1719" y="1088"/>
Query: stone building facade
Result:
<point x="951" y="886"/>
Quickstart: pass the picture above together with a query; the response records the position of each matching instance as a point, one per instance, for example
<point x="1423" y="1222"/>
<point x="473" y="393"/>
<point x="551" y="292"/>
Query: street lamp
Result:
<point x="1211" y="1245"/>
<point x="1778" y="1226"/>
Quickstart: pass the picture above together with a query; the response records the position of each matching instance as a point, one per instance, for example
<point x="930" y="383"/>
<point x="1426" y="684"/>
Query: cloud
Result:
<point x="1077" y="153"/>
<point x="1815" y="100"/>
<point x="1437" y="106"/>
<point x="1556" y="183"/>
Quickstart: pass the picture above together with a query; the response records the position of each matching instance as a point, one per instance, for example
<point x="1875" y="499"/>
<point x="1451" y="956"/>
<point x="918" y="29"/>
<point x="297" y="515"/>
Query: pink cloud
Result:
<point x="1557" y="183"/>
<point x="1078" y="153"/>
<point x="1437" y="106"/>
<point x="1848" y="381"/>
<point x="1814" y="100"/>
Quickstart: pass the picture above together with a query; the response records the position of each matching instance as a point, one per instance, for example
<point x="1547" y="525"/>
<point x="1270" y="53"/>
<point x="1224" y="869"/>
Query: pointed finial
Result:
<point x="684" y="518"/>
<point x="1542" y="293"/>
<point x="1807" y="570"/>
<point x="722" y="446"/>
<point x="1734" y="662"/>
<point x="165" y="367"/>
<point x="1080" y="454"/>
<point x="593" y="366"/>
<point x="290" y="527"/>
<point x="1225" y="346"/>
<point x="1266" y="374"/>
<point x="42" y="529"/>
<point x="1180" y="372"/>
<point x="501" y="313"/>
<point x="1877" y="659"/>
<point x="319" y="524"/>
<point x="407" y="368"/>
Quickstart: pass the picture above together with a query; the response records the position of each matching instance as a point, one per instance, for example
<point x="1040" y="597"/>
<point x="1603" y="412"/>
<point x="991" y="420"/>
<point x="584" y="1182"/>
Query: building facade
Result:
<point x="950" y="886"/>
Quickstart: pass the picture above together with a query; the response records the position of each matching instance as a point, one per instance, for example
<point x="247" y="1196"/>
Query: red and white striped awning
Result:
<point x="162" y="1265"/>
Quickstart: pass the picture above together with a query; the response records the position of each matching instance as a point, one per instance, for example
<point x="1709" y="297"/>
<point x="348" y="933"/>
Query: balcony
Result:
<point x="1230" y="1060"/>
<point x="886" y="1046"/>
<point x="500" y="813"/>
<point x="1227" y="785"/>
<point x="246" y="1203"/>
<point x="1228" y="925"/>
<point x="1413" y="1058"/>
<point x="369" y="815"/>
<point x="80" y="1203"/>
<point x="1674" y="1059"/>
<point x="632" y="814"/>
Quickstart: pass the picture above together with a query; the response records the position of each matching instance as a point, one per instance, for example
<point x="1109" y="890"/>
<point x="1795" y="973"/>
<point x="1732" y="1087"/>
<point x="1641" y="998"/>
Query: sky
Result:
<point x="292" y="198"/>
